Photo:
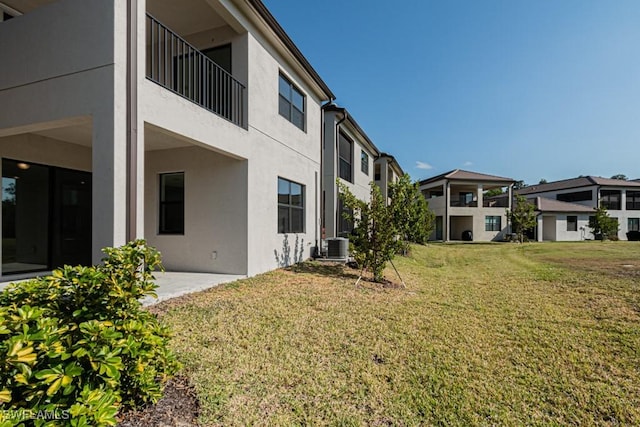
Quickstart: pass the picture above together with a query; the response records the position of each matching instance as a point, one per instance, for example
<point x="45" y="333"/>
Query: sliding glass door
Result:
<point x="46" y="217"/>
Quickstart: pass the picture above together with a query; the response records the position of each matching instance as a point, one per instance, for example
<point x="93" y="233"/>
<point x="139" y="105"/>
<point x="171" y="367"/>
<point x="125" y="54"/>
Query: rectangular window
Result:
<point x="345" y="157"/>
<point x="290" y="206"/>
<point x="579" y="196"/>
<point x="572" y="223"/>
<point x="492" y="223"/>
<point x="364" y="162"/>
<point x="633" y="224"/>
<point x="344" y="225"/>
<point x="376" y="169"/>
<point x="633" y="200"/>
<point x="610" y="199"/>
<point x="291" y="102"/>
<point x="171" y="203"/>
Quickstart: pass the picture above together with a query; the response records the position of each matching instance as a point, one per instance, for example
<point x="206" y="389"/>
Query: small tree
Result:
<point x="374" y="237"/>
<point x="602" y="224"/>
<point x="410" y="211"/>
<point x="620" y="176"/>
<point x="522" y="216"/>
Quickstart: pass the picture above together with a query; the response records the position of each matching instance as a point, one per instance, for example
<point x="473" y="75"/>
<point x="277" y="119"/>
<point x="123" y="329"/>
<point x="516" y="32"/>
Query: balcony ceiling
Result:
<point x="185" y="16"/>
<point x="82" y="134"/>
<point x="26" y="6"/>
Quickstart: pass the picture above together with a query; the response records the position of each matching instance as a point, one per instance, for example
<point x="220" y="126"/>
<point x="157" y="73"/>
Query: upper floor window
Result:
<point x="572" y="223"/>
<point x="578" y="196"/>
<point x="291" y="104"/>
<point x="610" y="199"/>
<point x="364" y="162"/>
<point x="492" y="223"/>
<point x="345" y="161"/>
<point x="633" y="200"/>
<point x="171" y="203"/>
<point x="290" y="206"/>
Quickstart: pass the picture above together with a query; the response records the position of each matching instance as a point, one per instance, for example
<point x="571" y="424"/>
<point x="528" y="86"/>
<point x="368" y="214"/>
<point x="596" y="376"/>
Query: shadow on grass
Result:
<point x="337" y="270"/>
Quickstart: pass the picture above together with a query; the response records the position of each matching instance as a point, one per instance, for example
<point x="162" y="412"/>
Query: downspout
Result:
<point x="321" y="204"/>
<point x="132" y="118"/>
<point x="336" y="158"/>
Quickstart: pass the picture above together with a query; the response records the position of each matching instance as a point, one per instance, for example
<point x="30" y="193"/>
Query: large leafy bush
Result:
<point x="76" y="347"/>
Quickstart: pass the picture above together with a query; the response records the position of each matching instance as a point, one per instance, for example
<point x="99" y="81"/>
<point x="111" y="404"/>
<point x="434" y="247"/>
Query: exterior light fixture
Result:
<point x="23" y="166"/>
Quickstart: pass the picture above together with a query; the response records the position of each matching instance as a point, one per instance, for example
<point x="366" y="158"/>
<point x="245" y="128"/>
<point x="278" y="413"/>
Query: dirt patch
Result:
<point x="178" y="408"/>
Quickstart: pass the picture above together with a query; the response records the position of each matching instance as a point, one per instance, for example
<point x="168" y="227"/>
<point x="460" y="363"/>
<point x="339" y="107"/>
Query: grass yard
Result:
<point x="495" y="334"/>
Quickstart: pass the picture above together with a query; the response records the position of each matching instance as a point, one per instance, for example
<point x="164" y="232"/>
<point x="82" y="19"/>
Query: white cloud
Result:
<point x="423" y="165"/>
<point x="468" y="163"/>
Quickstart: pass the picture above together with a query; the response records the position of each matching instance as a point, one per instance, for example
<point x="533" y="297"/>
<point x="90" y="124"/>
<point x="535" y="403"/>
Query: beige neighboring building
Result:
<point x="462" y="212"/>
<point x="387" y="170"/>
<point x="348" y="156"/>
<point x="566" y="205"/>
<point x="195" y="124"/>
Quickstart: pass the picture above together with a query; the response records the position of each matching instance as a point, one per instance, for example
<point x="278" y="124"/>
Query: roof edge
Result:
<point x="282" y="34"/>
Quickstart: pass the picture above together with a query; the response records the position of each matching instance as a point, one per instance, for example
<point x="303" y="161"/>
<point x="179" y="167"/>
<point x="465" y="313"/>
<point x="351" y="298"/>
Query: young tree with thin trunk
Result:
<point x="374" y="236"/>
<point x="522" y="217"/>
<point x="602" y="224"/>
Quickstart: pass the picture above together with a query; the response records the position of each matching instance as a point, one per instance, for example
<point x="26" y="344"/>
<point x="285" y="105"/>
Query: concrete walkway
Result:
<point x="172" y="284"/>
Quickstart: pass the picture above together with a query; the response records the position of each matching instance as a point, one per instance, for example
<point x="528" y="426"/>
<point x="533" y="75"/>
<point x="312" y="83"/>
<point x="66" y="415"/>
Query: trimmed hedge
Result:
<point x="77" y="346"/>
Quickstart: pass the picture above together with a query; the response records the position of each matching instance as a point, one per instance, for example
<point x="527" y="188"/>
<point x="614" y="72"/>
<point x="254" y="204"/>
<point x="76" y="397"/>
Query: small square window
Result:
<point x="492" y="223"/>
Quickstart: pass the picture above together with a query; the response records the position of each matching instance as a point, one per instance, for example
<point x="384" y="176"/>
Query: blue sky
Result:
<point x="524" y="89"/>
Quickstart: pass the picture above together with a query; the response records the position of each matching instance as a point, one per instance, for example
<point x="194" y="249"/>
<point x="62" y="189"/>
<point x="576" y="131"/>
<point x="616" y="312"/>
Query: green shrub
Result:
<point x="78" y="346"/>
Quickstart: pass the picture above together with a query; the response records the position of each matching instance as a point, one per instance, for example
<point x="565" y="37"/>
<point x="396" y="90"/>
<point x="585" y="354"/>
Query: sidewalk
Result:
<point x="172" y="284"/>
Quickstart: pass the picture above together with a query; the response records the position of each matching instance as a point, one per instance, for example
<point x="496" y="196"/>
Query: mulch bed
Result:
<point x="178" y="408"/>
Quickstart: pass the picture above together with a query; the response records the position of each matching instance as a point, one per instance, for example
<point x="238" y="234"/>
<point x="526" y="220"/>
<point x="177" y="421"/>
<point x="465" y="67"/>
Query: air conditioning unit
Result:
<point x="338" y="248"/>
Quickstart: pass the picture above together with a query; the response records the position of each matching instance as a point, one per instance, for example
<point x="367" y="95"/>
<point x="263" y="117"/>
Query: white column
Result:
<point x="480" y="196"/>
<point x="447" y="200"/>
<point x="109" y="214"/>
<point x="540" y="230"/>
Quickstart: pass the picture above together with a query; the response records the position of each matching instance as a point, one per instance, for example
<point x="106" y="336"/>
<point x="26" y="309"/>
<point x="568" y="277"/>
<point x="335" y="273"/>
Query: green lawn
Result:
<point x="504" y="334"/>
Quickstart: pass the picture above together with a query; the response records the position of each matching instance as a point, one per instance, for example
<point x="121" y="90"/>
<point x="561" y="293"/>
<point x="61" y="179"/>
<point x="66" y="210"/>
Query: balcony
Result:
<point x="463" y="203"/>
<point x="176" y="65"/>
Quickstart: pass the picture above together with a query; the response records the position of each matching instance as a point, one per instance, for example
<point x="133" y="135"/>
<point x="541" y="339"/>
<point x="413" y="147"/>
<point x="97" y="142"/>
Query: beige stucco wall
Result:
<point x="269" y="147"/>
<point x="215" y="233"/>
<point x="63" y="61"/>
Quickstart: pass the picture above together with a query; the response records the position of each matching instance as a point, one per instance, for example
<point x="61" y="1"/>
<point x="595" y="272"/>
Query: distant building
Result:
<point x="565" y="206"/>
<point x="462" y="212"/>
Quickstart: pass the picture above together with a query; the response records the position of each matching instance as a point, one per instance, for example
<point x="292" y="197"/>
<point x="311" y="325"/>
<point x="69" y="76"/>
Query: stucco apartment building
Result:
<point x="458" y="202"/>
<point x="565" y="206"/>
<point x="195" y="124"/>
<point x="348" y="156"/>
<point x="387" y="171"/>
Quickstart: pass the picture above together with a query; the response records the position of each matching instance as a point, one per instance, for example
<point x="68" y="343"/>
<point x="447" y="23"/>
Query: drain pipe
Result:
<point x="322" y="179"/>
<point x="132" y="119"/>
<point x="320" y="199"/>
<point x="336" y="159"/>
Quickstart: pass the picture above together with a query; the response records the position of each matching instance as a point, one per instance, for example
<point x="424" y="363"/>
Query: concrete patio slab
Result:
<point x="174" y="284"/>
